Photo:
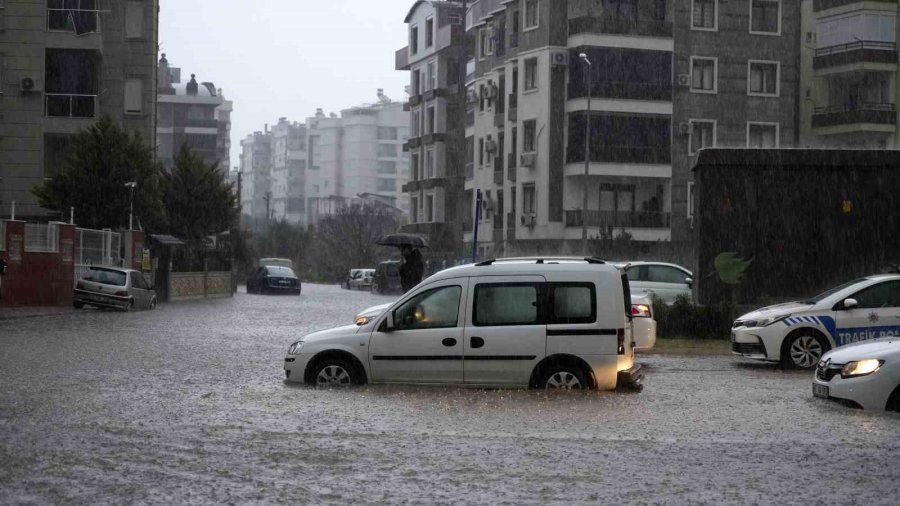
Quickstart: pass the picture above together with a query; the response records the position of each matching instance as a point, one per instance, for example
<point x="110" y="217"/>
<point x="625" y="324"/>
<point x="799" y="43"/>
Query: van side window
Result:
<point x="431" y="309"/>
<point x="573" y="303"/>
<point x="499" y="304"/>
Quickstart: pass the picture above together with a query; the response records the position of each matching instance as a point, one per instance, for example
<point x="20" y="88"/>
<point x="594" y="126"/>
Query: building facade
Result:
<point x="288" y="183"/>
<point x="62" y="66"/>
<point x="256" y="178"/>
<point x="849" y="68"/>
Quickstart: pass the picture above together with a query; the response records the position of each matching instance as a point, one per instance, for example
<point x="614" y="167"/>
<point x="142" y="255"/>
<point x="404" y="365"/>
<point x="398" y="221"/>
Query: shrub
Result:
<point x="686" y="320"/>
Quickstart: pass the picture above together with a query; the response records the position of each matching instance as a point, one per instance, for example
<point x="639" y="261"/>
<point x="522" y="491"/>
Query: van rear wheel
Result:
<point x="563" y="377"/>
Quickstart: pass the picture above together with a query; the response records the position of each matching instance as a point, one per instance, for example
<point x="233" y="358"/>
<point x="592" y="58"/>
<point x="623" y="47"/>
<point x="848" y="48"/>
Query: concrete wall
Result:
<point x="37" y="278"/>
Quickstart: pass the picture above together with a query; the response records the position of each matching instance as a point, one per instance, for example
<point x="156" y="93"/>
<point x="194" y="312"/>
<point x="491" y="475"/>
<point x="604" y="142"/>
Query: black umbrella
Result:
<point x="398" y="240"/>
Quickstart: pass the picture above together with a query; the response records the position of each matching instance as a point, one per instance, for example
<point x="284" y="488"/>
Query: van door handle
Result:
<point x="448" y="342"/>
<point x="476" y="342"/>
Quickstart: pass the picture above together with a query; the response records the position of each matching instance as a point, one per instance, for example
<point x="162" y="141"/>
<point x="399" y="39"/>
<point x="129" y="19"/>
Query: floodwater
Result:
<point x="186" y="404"/>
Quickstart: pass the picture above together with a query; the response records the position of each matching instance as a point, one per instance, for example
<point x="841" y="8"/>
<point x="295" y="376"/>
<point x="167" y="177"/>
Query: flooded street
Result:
<point x="186" y="404"/>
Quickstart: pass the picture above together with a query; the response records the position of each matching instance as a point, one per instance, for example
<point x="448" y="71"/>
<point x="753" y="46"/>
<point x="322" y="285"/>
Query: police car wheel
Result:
<point x="893" y="403"/>
<point x="803" y="351"/>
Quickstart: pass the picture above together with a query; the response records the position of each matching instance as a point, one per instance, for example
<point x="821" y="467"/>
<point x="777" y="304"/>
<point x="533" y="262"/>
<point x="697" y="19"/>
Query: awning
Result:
<point x="167" y="240"/>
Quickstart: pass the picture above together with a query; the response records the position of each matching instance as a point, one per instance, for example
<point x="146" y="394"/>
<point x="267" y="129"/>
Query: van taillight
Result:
<point x="122" y="293"/>
<point x="620" y="341"/>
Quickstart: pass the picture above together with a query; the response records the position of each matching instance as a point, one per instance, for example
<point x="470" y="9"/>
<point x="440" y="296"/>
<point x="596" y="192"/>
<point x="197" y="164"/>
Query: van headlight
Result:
<point x="295" y="348"/>
<point x="861" y="367"/>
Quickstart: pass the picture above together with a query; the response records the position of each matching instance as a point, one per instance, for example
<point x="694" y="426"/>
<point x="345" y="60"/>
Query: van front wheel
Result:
<point x="563" y="377"/>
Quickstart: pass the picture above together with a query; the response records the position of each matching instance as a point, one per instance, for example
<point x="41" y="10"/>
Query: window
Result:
<point x="531" y="14"/>
<point x="703" y="15"/>
<point x="703" y="135"/>
<point x="665" y="274"/>
<point x="431" y="76"/>
<point x="413" y="209"/>
<point x="429" y="120"/>
<point x="387" y="167"/>
<point x="414" y="39"/>
<point x="528" y="204"/>
<point x="134" y="20"/>
<point x="433" y="309"/>
<point x="429" y="208"/>
<point x="762" y="135"/>
<point x="387" y="133"/>
<point x="386" y="185"/>
<point x="515" y="22"/>
<point x="138" y="281"/>
<point x="429" y="32"/>
<point x="429" y="163"/>
<point x="499" y="304"/>
<point x="529" y="131"/>
<point x="133" y="98"/>
<point x="481" y="151"/>
<point x="690" y="199"/>
<point x="452" y="72"/>
<point x="387" y="150"/>
<point x="765" y="16"/>
<point x="762" y="78"/>
<point x="703" y="74"/>
<point x="416" y="82"/>
<point x="531" y="74"/>
<point x="414" y="166"/>
<point x="845" y="29"/>
<point x="482" y="43"/>
<point x="416" y="122"/>
<point x="573" y="303"/>
<point x="79" y="16"/>
<point x="625" y="10"/>
<point x="885" y="294"/>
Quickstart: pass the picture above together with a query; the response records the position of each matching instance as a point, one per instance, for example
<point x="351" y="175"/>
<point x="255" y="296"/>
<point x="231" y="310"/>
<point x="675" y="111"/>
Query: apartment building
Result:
<point x="288" y="183"/>
<point x="737" y="76"/>
<point x="256" y="178"/>
<point x="188" y="114"/>
<point x="357" y="152"/>
<point x="436" y="108"/>
<point x="849" y="69"/>
<point x="63" y="65"/>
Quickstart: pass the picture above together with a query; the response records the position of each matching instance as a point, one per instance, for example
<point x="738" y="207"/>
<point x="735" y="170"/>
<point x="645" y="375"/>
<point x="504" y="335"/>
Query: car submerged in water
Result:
<point x="114" y="288"/>
<point x="274" y="279"/>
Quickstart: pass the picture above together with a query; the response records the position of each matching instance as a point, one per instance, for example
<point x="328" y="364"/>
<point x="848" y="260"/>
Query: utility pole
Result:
<point x="587" y="158"/>
<point x="475" y="226"/>
<point x="268" y="199"/>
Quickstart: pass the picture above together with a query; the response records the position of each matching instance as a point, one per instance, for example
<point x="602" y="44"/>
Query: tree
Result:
<point x="101" y="159"/>
<point x="347" y="239"/>
<point x="197" y="198"/>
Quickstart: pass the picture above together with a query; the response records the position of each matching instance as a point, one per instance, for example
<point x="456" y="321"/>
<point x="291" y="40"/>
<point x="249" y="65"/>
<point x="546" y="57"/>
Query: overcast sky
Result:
<point x="276" y="58"/>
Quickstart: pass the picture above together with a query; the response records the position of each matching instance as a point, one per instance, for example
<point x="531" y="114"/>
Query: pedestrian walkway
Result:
<point x="16" y="312"/>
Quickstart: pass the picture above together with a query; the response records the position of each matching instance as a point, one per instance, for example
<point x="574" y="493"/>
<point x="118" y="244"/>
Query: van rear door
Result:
<point x="584" y="318"/>
<point x="505" y="334"/>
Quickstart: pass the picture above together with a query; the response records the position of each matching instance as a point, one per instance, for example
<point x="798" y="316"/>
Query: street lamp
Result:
<point x="131" y="185"/>
<point x="587" y="157"/>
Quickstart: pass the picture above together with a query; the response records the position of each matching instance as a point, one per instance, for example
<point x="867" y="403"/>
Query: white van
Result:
<point x="535" y="322"/>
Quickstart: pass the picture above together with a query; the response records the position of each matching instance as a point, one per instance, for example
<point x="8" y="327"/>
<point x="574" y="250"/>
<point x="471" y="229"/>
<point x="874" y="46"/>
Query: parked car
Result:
<point x="275" y="280"/>
<point x="277" y="262"/>
<point x="350" y="275"/>
<point x="666" y="281"/>
<point x="114" y="288"/>
<point x="539" y="323"/>
<point x="799" y="333"/>
<point x="387" y="278"/>
<point x="362" y="280"/>
<point x="644" y="325"/>
<point x="864" y="375"/>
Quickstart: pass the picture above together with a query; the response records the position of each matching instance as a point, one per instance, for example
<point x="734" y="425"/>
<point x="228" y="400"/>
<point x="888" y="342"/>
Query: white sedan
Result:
<point x="666" y="281"/>
<point x="865" y="375"/>
<point x="799" y="333"/>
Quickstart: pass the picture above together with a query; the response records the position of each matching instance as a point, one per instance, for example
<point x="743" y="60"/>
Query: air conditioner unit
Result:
<point x="683" y="80"/>
<point x="684" y="128"/>
<point x="528" y="160"/>
<point x="490" y="91"/>
<point x="490" y="146"/>
<point x="30" y="84"/>
<point x="472" y="96"/>
<point x="559" y="58"/>
<point x="529" y="220"/>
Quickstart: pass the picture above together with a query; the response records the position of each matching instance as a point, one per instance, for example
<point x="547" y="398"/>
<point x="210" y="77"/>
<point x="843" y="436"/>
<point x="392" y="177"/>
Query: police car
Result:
<point x="799" y="333"/>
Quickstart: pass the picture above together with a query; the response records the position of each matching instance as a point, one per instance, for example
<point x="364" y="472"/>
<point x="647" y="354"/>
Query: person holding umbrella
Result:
<point x="412" y="268"/>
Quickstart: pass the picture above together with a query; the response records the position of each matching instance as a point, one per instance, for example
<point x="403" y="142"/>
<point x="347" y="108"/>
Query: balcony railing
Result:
<point x="69" y="105"/>
<point x="201" y="123"/>
<point x="848" y="114"/>
<point x="625" y="154"/>
<point x="82" y="20"/>
<point x="860" y="51"/>
<point x="617" y="26"/>
<point x="623" y="90"/>
<point x="616" y="219"/>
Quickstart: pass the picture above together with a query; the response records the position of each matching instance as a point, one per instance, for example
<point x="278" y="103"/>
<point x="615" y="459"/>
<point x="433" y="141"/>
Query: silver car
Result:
<point x="666" y="281"/>
<point x="114" y="288"/>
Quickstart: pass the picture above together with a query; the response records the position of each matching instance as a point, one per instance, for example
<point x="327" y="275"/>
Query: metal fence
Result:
<point x="42" y="237"/>
<point x="96" y="247"/>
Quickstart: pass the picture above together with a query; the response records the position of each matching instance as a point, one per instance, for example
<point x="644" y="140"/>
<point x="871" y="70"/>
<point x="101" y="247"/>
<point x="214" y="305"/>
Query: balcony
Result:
<point x="401" y="59"/>
<point x="858" y="52"/>
<point x="621" y="154"/>
<point x="821" y="5"/>
<point x="201" y="123"/>
<point x="63" y="105"/>
<point x="498" y="177"/>
<point x="618" y="219"/>
<point x="76" y="16"/>
<point x="412" y="143"/>
<point x="617" y="26"/>
<point x="470" y="171"/>
<point x="836" y="115"/>
<point x="622" y="90"/>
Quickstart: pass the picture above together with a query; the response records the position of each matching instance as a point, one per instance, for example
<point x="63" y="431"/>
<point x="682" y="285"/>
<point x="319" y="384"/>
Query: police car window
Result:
<point x="505" y="304"/>
<point x="664" y="274"/>
<point x="828" y="293"/>
<point x="881" y="295"/>
<point x="432" y="309"/>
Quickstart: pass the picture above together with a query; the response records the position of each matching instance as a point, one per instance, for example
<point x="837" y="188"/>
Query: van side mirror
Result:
<point x="689" y="282"/>
<point x="850" y="303"/>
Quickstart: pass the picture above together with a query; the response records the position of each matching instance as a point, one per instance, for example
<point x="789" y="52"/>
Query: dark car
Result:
<point x="387" y="278"/>
<point x="274" y="279"/>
